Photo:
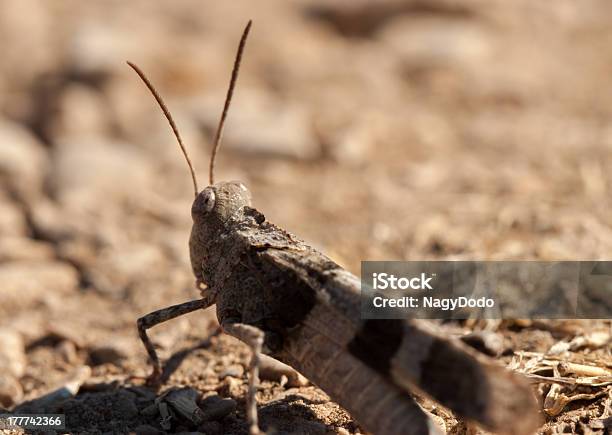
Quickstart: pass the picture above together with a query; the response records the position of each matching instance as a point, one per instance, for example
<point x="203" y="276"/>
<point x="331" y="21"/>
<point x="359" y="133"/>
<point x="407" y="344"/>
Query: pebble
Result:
<point x="12" y="220"/>
<point x="235" y="370"/>
<point x="23" y="248"/>
<point x="63" y="332"/>
<point x="231" y="387"/>
<point x="30" y="327"/>
<point x="21" y="288"/>
<point x="83" y="113"/>
<point x="23" y="159"/>
<point x="86" y="170"/>
<point x="137" y="262"/>
<point x="216" y="408"/>
<point x="273" y="370"/>
<point x="111" y="352"/>
<point x="12" y="354"/>
<point x="67" y="350"/>
<point x="11" y="392"/>
<point x="106" y="355"/>
<point x="184" y="402"/>
<point x="438" y="41"/>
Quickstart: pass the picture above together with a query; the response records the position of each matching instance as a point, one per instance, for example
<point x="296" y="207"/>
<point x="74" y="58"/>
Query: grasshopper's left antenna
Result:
<point x="228" y="100"/>
<point x="168" y="115"/>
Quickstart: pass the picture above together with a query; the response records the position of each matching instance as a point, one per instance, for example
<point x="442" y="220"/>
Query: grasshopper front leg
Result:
<point x="160" y="316"/>
<point x="254" y="338"/>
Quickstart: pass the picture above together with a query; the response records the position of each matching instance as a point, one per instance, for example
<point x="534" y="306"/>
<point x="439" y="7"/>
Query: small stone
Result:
<point x="50" y="221"/>
<point x="21" y="288"/>
<point x="12" y="221"/>
<point x="23" y="248"/>
<point x="83" y="113"/>
<point x="235" y="370"/>
<point x="55" y="334"/>
<point x="12" y="354"/>
<point x="231" y="387"/>
<point x="11" y="392"/>
<point x="30" y="327"/>
<point x="138" y="261"/>
<point x="112" y="352"/>
<point x="105" y="355"/>
<point x="274" y="370"/>
<point x="184" y="402"/>
<point x="435" y="42"/>
<point x="85" y="170"/>
<point x="67" y="350"/>
<point x="23" y="160"/>
<point x="216" y="408"/>
<point x="92" y="50"/>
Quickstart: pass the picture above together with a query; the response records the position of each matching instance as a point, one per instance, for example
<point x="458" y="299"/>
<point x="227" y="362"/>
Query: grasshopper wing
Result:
<point x="323" y="302"/>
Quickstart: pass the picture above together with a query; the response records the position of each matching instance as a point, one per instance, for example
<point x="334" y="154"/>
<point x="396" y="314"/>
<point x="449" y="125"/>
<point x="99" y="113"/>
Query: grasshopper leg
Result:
<point x="160" y="316"/>
<point x="254" y="338"/>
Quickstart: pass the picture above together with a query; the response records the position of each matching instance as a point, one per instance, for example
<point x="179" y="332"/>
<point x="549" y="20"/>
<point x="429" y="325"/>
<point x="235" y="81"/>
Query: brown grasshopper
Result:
<point x="282" y="297"/>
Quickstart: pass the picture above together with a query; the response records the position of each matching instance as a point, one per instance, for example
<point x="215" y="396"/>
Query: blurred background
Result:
<point x="373" y="130"/>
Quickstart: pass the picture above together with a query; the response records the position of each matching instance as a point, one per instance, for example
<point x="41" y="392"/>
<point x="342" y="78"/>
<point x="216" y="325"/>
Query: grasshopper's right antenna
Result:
<point x="164" y="109"/>
<point x="228" y="100"/>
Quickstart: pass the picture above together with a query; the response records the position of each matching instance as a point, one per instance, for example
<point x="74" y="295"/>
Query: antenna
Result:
<point x="164" y="109"/>
<point x="228" y="100"/>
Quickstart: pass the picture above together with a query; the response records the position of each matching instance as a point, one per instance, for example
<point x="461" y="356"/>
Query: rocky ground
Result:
<point x="374" y="130"/>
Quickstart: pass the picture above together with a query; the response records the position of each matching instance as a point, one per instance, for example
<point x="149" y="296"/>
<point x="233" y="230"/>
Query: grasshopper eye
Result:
<point x="208" y="200"/>
<point x="204" y="203"/>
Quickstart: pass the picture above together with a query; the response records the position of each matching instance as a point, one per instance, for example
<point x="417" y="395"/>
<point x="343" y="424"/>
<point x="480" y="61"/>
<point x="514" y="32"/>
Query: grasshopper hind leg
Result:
<point x="160" y="316"/>
<point x="254" y="338"/>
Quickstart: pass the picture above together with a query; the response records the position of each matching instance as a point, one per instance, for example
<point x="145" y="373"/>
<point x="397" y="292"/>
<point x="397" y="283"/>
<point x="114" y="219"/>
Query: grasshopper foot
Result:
<point x="160" y="316"/>
<point x="254" y="338"/>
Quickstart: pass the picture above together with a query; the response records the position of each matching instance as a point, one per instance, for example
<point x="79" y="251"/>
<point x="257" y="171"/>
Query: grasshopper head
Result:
<point x="217" y="203"/>
<point x="212" y="208"/>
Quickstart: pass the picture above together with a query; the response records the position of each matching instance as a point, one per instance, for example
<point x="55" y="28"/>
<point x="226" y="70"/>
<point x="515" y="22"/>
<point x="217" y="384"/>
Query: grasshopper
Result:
<point x="287" y="300"/>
